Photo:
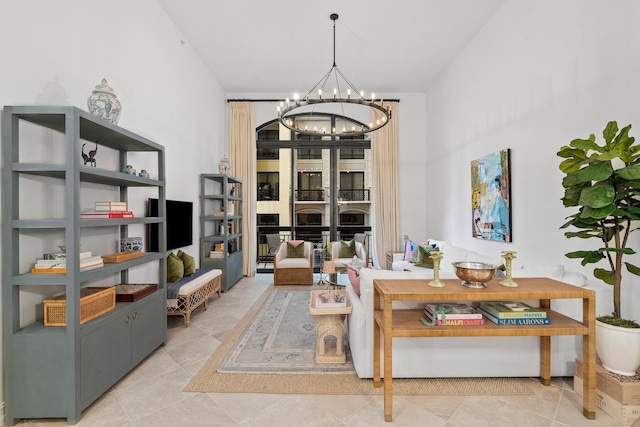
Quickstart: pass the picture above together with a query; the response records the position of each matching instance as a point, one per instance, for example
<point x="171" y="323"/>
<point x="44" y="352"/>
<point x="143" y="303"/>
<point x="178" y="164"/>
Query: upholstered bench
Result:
<point x="189" y="293"/>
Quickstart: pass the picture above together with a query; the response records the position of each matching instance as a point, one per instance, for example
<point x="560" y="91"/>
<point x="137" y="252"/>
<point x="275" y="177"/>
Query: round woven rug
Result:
<point x="209" y="380"/>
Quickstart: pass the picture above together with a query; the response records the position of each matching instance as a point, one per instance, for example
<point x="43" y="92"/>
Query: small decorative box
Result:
<point x="131" y="244"/>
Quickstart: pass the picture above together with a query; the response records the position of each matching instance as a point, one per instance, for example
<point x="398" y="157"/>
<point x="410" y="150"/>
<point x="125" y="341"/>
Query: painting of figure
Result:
<point x="491" y="197"/>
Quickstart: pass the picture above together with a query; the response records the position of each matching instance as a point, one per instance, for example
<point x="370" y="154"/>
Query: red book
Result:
<point x="110" y="214"/>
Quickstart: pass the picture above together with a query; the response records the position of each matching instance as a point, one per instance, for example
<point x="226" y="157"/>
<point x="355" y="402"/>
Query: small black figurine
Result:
<point x="91" y="157"/>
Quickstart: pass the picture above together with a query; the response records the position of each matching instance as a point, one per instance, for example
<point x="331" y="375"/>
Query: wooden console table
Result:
<point x="406" y="323"/>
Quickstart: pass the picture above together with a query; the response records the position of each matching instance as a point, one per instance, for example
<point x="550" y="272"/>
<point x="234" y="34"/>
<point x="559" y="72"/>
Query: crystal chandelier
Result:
<point x="308" y="114"/>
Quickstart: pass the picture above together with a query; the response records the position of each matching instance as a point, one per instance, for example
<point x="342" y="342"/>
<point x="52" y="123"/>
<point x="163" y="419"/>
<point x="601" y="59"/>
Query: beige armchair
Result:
<point x="341" y="263"/>
<point x="292" y="271"/>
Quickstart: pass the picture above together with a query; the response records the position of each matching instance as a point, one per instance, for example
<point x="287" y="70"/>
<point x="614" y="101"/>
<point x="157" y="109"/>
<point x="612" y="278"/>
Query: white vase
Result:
<point x="618" y="348"/>
<point x="224" y="167"/>
<point x="104" y="103"/>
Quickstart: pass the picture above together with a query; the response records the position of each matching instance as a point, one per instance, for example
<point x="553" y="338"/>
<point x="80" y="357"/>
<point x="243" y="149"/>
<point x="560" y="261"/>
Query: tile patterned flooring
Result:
<point x="151" y="395"/>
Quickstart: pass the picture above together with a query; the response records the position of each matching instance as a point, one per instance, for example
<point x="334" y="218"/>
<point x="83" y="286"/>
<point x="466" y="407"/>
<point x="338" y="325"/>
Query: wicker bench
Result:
<point x="189" y="293"/>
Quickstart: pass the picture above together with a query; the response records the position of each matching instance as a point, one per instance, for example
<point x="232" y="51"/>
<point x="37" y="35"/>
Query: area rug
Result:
<point x="276" y="380"/>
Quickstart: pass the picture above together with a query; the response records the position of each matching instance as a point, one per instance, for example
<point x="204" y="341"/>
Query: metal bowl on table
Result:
<point x="474" y="274"/>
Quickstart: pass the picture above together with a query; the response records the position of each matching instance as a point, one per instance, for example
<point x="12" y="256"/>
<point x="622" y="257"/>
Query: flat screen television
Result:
<point x="179" y="224"/>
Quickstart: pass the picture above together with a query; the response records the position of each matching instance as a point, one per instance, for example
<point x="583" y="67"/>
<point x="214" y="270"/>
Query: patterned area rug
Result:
<point x="322" y="381"/>
<point x="281" y="337"/>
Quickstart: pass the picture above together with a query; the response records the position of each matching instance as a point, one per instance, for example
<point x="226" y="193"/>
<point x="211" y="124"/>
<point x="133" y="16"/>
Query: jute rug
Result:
<point x="210" y="380"/>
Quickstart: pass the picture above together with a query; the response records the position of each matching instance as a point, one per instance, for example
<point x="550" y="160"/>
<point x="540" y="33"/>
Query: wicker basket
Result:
<point x="93" y="303"/>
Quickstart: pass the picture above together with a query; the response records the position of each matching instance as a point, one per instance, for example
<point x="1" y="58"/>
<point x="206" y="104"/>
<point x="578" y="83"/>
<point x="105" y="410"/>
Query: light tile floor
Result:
<point x="151" y="395"/>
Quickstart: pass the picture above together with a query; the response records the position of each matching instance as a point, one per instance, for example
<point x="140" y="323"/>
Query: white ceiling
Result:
<point x="286" y="46"/>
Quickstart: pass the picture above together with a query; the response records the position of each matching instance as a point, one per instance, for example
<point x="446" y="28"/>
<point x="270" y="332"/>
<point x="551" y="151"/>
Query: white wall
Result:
<point x="538" y="75"/>
<point x="56" y="52"/>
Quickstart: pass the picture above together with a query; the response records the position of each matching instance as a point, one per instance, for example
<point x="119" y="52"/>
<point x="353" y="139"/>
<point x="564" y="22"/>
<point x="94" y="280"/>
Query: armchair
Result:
<point x="341" y="263"/>
<point x="292" y="271"/>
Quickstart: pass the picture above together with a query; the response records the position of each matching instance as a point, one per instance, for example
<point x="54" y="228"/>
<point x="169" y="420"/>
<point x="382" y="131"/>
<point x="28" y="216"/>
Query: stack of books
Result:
<point x="216" y="254"/>
<point x="455" y="314"/>
<point x="57" y="263"/>
<point x="513" y="313"/>
<point x="331" y="300"/>
<point x="108" y="210"/>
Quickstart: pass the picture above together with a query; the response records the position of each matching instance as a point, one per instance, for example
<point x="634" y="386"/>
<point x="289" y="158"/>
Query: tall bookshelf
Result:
<point x="221" y="226"/>
<point x="58" y="371"/>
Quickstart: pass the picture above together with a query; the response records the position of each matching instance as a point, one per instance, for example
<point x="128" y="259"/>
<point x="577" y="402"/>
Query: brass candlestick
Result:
<point x="508" y="281"/>
<point x="436" y="256"/>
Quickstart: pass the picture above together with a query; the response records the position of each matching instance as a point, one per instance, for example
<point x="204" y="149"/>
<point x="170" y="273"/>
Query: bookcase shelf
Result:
<point x="221" y="223"/>
<point x="57" y="371"/>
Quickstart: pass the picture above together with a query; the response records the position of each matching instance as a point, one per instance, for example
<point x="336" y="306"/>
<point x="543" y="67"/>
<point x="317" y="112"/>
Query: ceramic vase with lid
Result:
<point x="224" y="167"/>
<point x="104" y="103"/>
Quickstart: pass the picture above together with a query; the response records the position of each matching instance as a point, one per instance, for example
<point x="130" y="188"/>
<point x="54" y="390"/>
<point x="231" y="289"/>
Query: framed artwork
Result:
<point x="491" y="197"/>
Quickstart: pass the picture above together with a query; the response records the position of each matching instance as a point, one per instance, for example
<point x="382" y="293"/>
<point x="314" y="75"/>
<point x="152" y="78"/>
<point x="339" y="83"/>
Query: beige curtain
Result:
<point x="384" y="147"/>
<point x="242" y="157"/>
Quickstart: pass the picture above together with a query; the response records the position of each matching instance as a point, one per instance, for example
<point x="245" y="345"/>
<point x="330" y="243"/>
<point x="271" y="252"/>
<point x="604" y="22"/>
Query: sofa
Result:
<point x="466" y="356"/>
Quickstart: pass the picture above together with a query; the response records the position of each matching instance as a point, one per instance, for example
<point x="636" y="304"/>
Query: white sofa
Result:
<point x="467" y="356"/>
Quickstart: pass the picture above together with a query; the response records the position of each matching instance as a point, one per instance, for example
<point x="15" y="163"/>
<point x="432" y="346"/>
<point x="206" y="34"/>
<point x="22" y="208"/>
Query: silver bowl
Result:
<point x="474" y="274"/>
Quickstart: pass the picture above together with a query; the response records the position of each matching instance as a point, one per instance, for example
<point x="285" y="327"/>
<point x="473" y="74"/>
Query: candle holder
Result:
<point x="508" y="257"/>
<point x="436" y="256"/>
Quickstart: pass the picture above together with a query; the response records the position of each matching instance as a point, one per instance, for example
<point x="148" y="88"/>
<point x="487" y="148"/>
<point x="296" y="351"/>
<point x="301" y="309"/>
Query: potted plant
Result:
<point x="603" y="182"/>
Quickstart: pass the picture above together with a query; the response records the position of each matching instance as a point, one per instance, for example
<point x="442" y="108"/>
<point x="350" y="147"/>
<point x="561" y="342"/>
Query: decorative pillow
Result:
<point x="424" y="260"/>
<point x="189" y="263"/>
<point x="175" y="268"/>
<point x="409" y="248"/>
<point x="295" y="251"/>
<point x="354" y="278"/>
<point x="347" y="249"/>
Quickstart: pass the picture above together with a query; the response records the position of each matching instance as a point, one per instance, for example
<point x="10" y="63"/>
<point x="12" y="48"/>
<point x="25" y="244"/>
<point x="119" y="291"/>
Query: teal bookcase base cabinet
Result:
<point x="231" y="267"/>
<point x="110" y="346"/>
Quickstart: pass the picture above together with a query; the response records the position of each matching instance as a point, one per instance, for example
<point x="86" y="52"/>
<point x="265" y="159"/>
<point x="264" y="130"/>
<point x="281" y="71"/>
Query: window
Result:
<point x="268" y="219"/>
<point x="309" y="219"/>
<point x="268" y="186"/>
<point x="310" y="186"/>
<point x="352" y="187"/>
<point x="350" y="218"/>
<point x="309" y="153"/>
<point x="352" y="154"/>
<point x="268" y="154"/>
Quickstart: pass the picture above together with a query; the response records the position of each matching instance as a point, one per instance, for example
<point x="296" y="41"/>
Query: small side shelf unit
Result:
<point x="58" y="371"/>
<point x="221" y="226"/>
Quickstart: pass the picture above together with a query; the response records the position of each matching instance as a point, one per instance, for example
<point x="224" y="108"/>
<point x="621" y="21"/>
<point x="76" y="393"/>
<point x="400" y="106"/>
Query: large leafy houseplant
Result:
<point x="603" y="181"/>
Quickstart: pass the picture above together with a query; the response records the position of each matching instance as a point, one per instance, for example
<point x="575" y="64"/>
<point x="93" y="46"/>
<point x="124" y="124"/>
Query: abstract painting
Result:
<point x="491" y="197"/>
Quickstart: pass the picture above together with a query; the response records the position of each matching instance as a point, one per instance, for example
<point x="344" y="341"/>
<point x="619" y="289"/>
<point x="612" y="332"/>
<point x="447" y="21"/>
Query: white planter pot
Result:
<point x="618" y="348"/>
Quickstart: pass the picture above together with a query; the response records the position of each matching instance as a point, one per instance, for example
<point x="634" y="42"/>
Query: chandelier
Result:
<point x="308" y="114"/>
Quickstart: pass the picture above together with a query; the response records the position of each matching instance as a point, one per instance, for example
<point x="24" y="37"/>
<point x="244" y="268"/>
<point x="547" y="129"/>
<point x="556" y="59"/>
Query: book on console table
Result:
<point x="515" y="321"/>
<point x="512" y="310"/>
<point x="452" y="311"/>
<point x="457" y="322"/>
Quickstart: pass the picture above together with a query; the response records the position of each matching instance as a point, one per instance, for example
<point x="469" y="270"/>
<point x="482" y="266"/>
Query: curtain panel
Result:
<point x="384" y="148"/>
<point x="242" y="157"/>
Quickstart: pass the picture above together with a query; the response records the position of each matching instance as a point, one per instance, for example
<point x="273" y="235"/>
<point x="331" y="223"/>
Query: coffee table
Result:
<point x="337" y="280"/>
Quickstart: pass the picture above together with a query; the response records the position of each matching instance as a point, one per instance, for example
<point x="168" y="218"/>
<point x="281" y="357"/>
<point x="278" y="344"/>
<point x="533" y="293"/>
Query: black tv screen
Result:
<point x="179" y="224"/>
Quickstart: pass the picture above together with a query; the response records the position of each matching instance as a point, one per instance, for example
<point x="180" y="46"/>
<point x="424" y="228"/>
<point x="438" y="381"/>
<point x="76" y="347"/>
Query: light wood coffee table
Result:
<point x="330" y="322"/>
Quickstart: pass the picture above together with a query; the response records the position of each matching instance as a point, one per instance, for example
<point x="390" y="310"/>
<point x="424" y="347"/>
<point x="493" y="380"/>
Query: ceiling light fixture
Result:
<point x="308" y="115"/>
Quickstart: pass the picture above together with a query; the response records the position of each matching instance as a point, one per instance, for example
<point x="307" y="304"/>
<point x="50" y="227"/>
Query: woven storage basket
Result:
<point x="93" y="303"/>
